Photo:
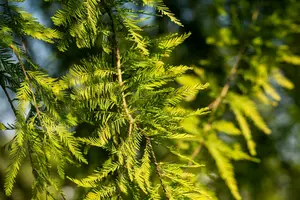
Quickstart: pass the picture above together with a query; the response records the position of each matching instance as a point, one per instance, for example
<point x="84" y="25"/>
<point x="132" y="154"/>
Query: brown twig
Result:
<point x="34" y="102"/>
<point x="217" y="102"/>
<point x="15" y="51"/>
<point x="34" y="172"/>
<point x="27" y="79"/>
<point x="117" y="62"/>
<point x="157" y="167"/>
<point x="195" y="153"/>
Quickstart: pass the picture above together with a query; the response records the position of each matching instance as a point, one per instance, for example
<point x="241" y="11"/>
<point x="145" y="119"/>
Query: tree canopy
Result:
<point x="148" y="99"/>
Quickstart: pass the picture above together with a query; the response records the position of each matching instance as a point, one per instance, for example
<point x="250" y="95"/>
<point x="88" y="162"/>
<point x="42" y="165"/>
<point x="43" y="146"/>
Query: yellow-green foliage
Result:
<point x="135" y="103"/>
<point x="252" y="78"/>
<point x="127" y="94"/>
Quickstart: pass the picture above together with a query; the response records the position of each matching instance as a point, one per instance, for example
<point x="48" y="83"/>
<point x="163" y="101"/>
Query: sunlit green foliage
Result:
<point x="135" y="102"/>
<point x="127" y="94"/>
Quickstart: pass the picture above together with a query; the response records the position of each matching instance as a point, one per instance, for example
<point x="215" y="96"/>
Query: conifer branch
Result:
<point x="27" y="79"/>
<point x="125" y="106"/>
<point x="117" y="63"/>
<point x="34" y="172"/>
<point x="34" y="101"/>
<point x="157" y="167"/>
<point x="34" y="104"/>
<point x="216" y="103"/>
<point x="15" y="113"/>
<point x="22" y="64"/>
<point x="23" y="67"/>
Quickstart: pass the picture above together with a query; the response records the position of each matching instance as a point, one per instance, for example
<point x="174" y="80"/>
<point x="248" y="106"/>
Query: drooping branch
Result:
<point x="217" y="102"/>
<point x="22" y="64"/>
<point x="18" y="56"/>
<point x="34" y="172"/>
<point x="117" y="63"/>
<point x="27" y="79"/>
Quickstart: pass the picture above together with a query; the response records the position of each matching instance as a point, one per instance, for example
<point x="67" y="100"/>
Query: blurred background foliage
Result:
<point x="261" y="37"/>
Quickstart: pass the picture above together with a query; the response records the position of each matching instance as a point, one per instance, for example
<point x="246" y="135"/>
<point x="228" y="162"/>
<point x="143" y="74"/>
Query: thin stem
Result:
<point x="34" y="172"/>
<point x="27" y="79"/>
<point x="157" y="167"/>
<point x="15" y="113"/>
<point x="33" y="97"/>
<point x="117" y="62"/>
<point x="15" y="51"/>
<point x="195" y="153"/>
<point x="63" y="196"/>
<point x="9" y="100"/>
<point x="216" y="103"/>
